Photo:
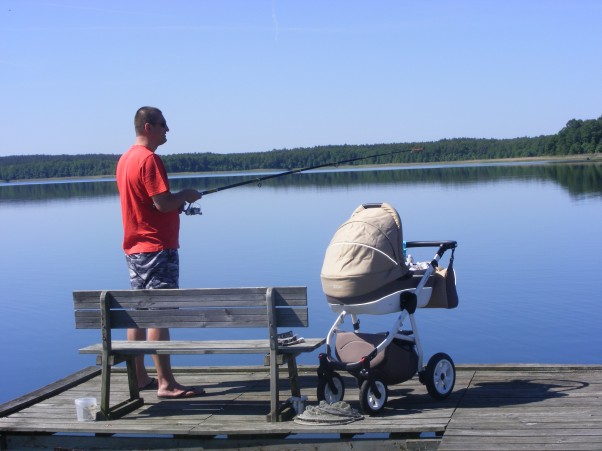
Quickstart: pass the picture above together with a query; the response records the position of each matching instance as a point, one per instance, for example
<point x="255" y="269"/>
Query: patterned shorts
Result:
<point x="150" y="270"/>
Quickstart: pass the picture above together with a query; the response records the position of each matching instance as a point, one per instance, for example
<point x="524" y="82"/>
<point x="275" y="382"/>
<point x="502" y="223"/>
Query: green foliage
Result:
<point x="576" y="138"/>
<point x="56" y="166"/>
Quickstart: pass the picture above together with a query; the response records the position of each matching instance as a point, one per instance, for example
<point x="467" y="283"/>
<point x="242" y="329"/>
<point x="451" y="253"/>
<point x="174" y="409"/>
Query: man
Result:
<point x="151" y="225"/>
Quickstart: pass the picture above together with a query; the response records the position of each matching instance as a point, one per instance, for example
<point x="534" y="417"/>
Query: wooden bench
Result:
<point x="268" y="308"/>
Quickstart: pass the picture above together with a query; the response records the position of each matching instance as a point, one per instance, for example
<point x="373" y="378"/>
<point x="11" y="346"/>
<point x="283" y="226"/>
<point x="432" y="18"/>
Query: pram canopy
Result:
<point x="365" y="254"/>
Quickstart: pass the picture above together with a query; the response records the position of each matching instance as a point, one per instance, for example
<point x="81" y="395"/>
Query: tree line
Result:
<point x="578" y="137"/>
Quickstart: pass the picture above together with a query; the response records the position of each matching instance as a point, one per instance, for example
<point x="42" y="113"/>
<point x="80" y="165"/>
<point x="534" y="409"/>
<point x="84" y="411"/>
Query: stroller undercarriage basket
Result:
<point x="366" y="272"/>
<point x="396" y="364"/>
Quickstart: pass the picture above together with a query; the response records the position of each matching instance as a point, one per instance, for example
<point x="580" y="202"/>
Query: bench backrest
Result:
<point x="191" y="308"/>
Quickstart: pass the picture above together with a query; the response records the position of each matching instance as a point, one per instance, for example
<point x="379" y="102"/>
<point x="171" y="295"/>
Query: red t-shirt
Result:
<point x="141" y="175"/>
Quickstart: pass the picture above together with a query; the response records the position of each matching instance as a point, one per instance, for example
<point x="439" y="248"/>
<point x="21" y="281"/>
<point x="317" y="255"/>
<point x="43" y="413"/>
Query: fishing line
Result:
<point x="193" y="210"/>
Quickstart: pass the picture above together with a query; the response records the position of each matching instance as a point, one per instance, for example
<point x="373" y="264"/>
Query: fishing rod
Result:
<point x="190" y="210"/>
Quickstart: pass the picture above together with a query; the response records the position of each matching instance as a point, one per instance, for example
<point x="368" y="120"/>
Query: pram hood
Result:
<point x="365" y="253"/>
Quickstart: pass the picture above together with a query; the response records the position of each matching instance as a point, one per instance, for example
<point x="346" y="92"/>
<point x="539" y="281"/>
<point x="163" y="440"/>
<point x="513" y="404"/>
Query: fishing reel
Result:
<point x="192" y="209"/>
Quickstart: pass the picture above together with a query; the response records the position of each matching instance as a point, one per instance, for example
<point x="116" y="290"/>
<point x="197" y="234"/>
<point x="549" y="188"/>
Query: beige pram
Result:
<point x="366" y="272"/>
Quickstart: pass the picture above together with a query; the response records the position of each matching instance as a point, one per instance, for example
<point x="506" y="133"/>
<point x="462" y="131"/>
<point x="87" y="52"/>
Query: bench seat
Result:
<point x="183" y="347"/>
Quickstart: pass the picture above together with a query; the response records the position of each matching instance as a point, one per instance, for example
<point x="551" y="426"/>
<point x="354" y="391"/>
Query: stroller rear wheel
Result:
<point x="440" y="376"/>
<point x="373" y="396"/>
<point x="331" y="390"/>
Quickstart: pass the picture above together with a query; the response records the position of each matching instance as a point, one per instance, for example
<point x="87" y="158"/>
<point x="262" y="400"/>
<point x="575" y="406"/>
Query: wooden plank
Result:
<point x="249" y="444"/>
<point x="183" y="308"/>
<point x="169" y="298"/>
<point x="203" y="347"/>
<point x="529" y="407"/>
<point x="152" y="298"/>
<point x="49" y="391"/>
<point x="550" y="444"/>
<point x="192" y="318"/>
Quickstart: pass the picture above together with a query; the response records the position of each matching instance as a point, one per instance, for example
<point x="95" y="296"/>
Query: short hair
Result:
<point x="146" y="114"/>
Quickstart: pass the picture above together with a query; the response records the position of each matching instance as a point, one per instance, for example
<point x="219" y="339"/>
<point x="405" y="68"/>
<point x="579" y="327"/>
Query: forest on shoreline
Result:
<point x="578" y="137"/>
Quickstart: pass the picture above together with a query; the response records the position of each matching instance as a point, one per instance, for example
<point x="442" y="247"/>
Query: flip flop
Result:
<point x="190" y="392"/>
<point x="152" y="385"/>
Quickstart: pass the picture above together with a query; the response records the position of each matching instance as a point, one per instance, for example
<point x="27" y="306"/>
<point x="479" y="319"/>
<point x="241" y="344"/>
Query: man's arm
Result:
<point x="168" y="201"/>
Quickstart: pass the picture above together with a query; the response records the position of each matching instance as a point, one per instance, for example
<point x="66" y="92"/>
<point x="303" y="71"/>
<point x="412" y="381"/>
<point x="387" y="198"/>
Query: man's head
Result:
<point x="150" y="127"/>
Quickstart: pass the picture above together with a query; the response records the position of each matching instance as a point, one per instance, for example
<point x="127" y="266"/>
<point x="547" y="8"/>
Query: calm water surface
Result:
<point x="527" y="262"/>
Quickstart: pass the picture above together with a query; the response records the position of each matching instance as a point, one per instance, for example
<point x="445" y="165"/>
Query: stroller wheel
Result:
<point x="333" y="391"/>
<point x="372" y="401"/>
<point x="440" y="376"/>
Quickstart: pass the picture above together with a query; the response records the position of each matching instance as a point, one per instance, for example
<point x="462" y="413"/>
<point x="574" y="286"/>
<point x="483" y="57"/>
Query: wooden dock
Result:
<point x="493" y="407"/>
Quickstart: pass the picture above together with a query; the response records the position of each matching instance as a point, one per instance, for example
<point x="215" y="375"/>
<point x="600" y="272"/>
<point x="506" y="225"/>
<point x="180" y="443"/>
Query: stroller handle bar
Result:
<point x="442" y="245"/>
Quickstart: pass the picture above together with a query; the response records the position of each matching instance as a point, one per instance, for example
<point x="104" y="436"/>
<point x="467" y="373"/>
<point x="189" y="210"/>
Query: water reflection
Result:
<point x="579" y="179"/>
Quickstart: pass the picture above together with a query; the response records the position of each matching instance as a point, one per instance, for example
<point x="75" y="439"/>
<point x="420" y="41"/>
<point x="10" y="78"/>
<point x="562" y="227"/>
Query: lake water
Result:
<point x="527" y="262"/>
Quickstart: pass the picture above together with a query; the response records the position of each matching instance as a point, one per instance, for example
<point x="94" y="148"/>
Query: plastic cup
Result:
<point x="86" y="409"/>
<point x="298" y="403"/>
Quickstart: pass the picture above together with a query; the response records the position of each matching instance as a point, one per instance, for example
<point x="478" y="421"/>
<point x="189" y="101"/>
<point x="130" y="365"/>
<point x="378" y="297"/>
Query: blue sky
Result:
<point x="256" y="75"/>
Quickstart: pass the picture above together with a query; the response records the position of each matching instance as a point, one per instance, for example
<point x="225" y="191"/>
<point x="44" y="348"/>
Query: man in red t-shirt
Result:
<point x="151" y="226"/>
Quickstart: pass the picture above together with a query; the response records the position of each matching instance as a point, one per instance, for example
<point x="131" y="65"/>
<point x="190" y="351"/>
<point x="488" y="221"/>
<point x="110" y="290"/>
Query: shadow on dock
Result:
<point x="492" y="407"/>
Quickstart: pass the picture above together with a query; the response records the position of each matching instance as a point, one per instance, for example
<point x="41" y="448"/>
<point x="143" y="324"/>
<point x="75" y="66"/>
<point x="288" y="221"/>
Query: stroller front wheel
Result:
<point x="372" y="401"/>
<point x="331" y="390"/>
<point x="440" y="376"/>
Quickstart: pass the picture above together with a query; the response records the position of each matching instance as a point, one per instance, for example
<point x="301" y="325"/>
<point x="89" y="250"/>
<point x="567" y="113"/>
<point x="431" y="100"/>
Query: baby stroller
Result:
<point x="366" y="272"/>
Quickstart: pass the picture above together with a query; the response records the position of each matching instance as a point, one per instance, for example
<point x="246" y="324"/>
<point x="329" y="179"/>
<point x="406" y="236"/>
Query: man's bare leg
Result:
<point x="168" y="386"/>
<point x="142" y="375"/>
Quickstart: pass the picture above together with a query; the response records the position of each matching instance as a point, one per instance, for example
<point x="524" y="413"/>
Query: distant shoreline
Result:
<point x="552" y="159"/>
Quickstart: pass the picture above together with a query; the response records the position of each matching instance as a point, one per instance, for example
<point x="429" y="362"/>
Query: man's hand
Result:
<point x="168" y="201"/>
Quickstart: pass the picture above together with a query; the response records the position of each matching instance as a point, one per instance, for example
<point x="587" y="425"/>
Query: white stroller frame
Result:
<point x="438" y="375"/>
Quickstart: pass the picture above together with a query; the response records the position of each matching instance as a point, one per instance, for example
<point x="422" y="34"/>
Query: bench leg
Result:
<point x="286" y="411"/>
<point x="106" y="411"/>
<point x="132" y="378"/>
<point x="274" y="396"/>
<point x="293" y="376"/>
<point x="135" y="400"/>
<point x="105" y="388"/>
